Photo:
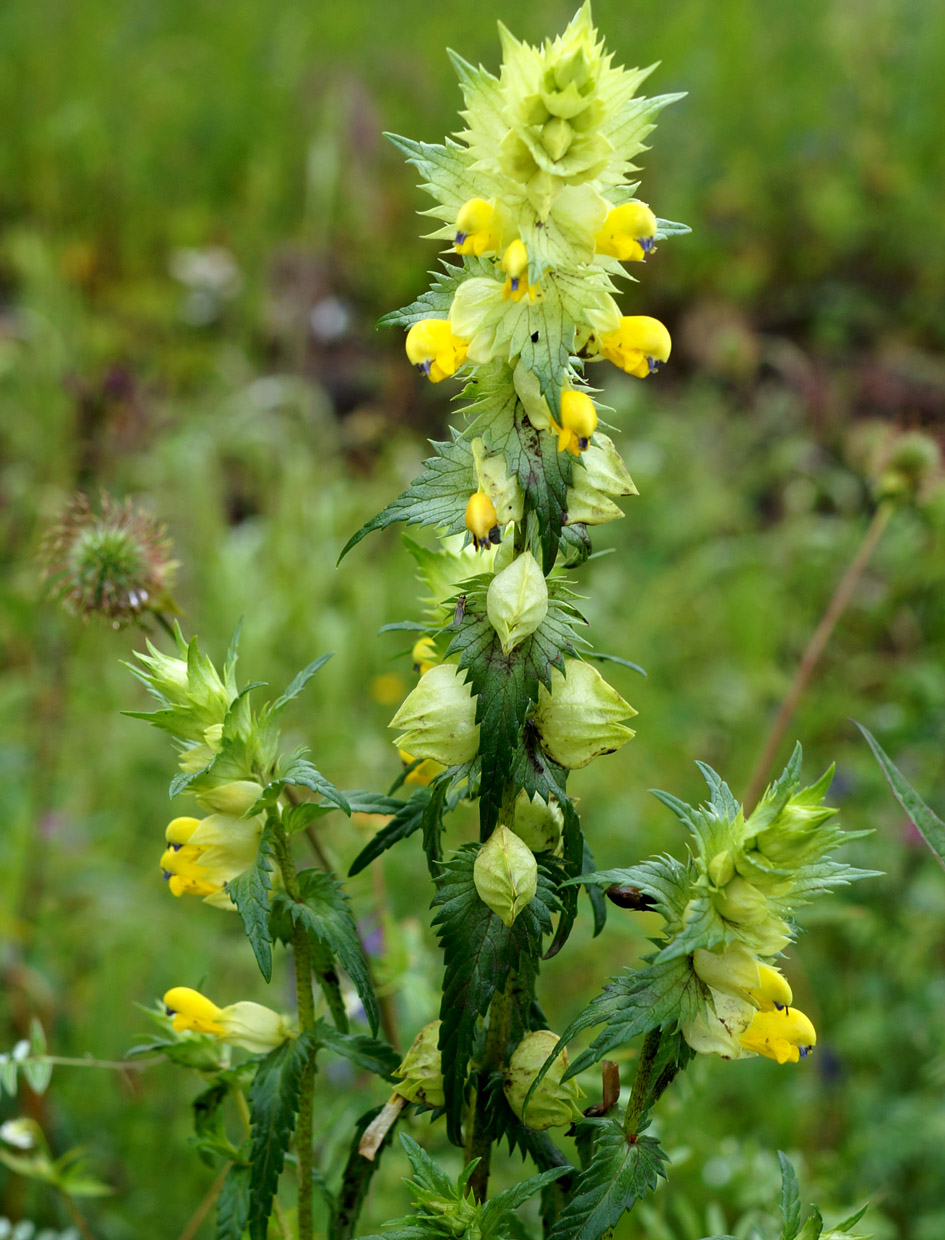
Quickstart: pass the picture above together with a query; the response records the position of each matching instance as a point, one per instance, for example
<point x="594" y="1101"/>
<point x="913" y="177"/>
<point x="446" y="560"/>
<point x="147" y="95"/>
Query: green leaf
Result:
<point x="436" y="301"/>
<point x="366" y="1053"/>
<point x="208" y="1117"/>
<point x="273" y="1104"/>
<point x="296" y="686"/>
<point x="250" y="893"/>
<point x="356" y="1179"/>
<point x="507" y="684"/>
<point x="233" y="1204"/>
<point x="662" y="996"/>
<point x="324" y="915"/>
<point x="925" y="821"/>
<point x="495" y="1212"/>
<point x="480" y="954"/>
<point x="573" y="847"/>
<point x="407" y="819"/>
<point x="790" y="1199"/>
<point x="622" y="1170"/>
<point x="431" y="823"/>
<point x="298" y="772"/>
<point x="437" y="497"/>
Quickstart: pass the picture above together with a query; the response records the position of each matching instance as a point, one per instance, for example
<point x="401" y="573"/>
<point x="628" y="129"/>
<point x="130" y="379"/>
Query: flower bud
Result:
<point x="515" y="265"/>
<point x="517" y="600"/>
<point x="537" y="823"/>
<point x="505" y="874"/>
<point x="554" y="1104"/>
<point x="741" y="902"/>
<point x="420" y="1073"/>
<point x="233" y="798"/>
<point x="640" y="345"/>
<point x="439" y="718"/>
<point x="580" y="719"/>
<point x="556" y="136"/>
<point x="721" y="869"/>
<point x="732" y="971"/>
<point x="528" y="390"/>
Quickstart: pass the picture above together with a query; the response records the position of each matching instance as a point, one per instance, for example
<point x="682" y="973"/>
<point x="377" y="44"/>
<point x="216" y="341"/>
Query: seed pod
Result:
<point x="517" y="601"/>
<point x="579" y="720"/>
<point x="439" y="718"/>
<point x="537" y="823"/>
<point x="554" y="1103"/>
<point x="421" y="1076"/>
<point x="505" y="874"/>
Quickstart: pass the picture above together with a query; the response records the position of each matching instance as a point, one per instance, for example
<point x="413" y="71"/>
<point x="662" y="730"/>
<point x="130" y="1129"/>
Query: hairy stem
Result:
<point x="478" y="1133"/>
<point x="305" y="996"/>
<point x="815" y="648"/>
<point x="641" y="1082"/>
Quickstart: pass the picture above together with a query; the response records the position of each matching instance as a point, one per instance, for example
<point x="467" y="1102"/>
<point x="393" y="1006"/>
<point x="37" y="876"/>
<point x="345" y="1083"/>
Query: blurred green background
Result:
<point x="199" y="225"/>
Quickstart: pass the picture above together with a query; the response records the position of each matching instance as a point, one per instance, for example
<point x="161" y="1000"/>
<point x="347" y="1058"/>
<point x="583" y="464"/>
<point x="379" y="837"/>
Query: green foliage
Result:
<point x="407" y="818"/>
<point x="924" y="819"/>
<point x="250" y="892"/>
<point x="507" y="684"/>
<point x="297" y="772"/>
<point x="233" y="1204"/>
<point x="442" y="1207"/>
<point x="622" y="1169"/>
<point x="273" y="1103"/>
<point x="323" y="913"/>
<point x="437" y="497"/>
<point x="480" y="955"/>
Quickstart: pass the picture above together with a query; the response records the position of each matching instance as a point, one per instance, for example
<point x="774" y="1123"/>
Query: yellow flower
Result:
<point x="425" y="773"/>
<point x="250" y="1025"/>
<point x="640" y="345"/>
<point x="783" y="1033"/>
<point x="476" y="231"/>
<point x="515" y="265"/>
<point x="434" y="350"/>
<point x="578" y="422"/>
<point x="482" y="521"/>
<point x="203" y="855"/>
<point x="628" y="233"/>
<point x="423" y="655"/>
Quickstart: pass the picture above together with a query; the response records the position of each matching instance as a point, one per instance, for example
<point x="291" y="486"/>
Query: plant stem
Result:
<point x="305" y="996"/>
<point x="641" y="1082"/>
<point x="478" y="1134"/>
<point x="216" y="1188"/>
<point x="165" y="624"/>
<point x="77" y="1217"/>
<point x="815" y="648"/>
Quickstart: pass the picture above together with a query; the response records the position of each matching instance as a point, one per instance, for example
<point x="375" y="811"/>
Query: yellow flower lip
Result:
<point x="639" y="346"/>
<point x="482" y="521"/>
<point x="578" y="422"/>
<point x="434" y="350"/>
<point x="628" y="233"/>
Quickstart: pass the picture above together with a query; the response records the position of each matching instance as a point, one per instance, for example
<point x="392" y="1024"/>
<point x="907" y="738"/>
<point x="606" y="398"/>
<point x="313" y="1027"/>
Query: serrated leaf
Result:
<point x="506" y="685"/>
<point x="366" y="1053"/>
<point x="925" y="821"/>
<point x="208" y="1118"/>
<point x="437" y="497"/>
<point x="296" y="685"/>
<point x="324" y="915"/>
<point x="572" y="840"/>
<point x="273" y="1105"/>
<point x="250" y="893"/>
<point x="233" y="1204"/>
<point x="407" y="819"/>
<point x="659" y="996"/>
<point x="496" y="1211"/>
<point x="435" y="302"/>
<point x="790" y="1199"/>
<point x="480" y="954"/>
<point x="621" y="1171"/>
<point x="298" y="772"/>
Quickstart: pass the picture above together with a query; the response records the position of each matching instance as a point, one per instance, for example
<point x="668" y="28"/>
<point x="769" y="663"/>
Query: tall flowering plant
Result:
<point x="535" y="204"/>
